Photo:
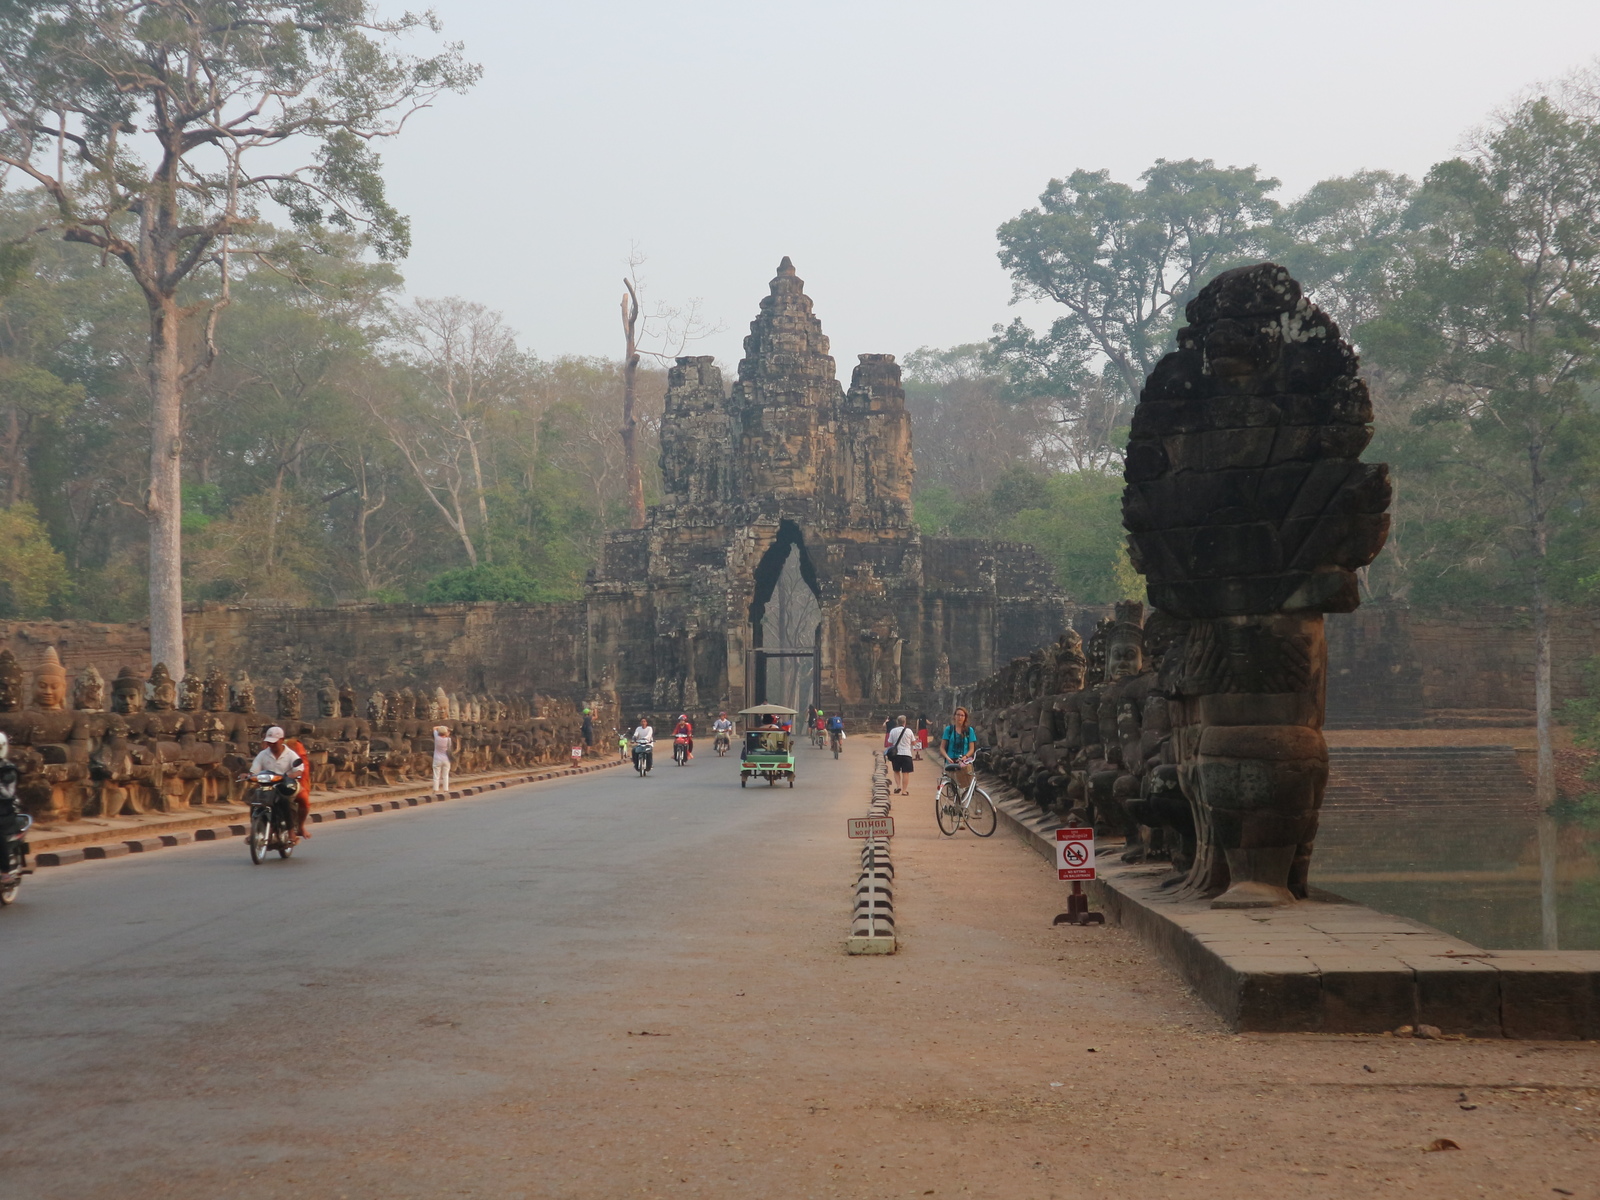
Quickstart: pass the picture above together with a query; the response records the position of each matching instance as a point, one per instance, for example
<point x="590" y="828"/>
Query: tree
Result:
<point x="159" y="128"/>
<point x="966" y="430"/>
<point x="466" y="362"/>
<point x="676" y="328"/>
<point x="1122" y="262"/>
<point x="32" y="572"/>
<point x="1497" y="327"/>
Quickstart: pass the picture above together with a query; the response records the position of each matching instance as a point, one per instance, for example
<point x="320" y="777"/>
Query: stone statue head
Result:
<point x="377" y="708"/>
<point x="163" y="692"/>
<point x="1070" y="663"/>
<point x="127" y="692"/>
<point x="408" y="705"/>
<point x="191" y="693"/>
<point x="347" y="701"/>
<point x="327" y="698"/>
<point x="441" y="705"/>
<point x="10" y="683"/>
<point x="216" y="691"/>
<point x="1125" y="641"/>
<point x="242" y="696"/>
<point x="288" y="700"/>
<point x="89" y="691"/>
<point x="50" y="683"/>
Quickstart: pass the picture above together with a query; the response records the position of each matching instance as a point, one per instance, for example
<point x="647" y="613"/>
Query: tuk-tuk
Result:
<point x="767" y="753"/>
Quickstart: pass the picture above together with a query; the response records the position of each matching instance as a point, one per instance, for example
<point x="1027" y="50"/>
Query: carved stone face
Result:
<point x="10" y="683"/>
<point x="216" y="691"/>
<point x="127" y="695"/>
<point x="243" y="698"/>
<point x="347" y="701"/>
<point x="49" y="690"/>
<point x="163" y="691"/>
<point x="191" y="693"/>
<point x="288" y="701"/>
<point x="1070" y="673"/>
<point x="1123" y="656"/>
<point x="327" y="702"/>
<point x="89" y="691"/>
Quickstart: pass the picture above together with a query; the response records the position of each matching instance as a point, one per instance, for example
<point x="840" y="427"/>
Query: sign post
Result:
<point x="1075" y="862"/>
<point x="577" y="753"/>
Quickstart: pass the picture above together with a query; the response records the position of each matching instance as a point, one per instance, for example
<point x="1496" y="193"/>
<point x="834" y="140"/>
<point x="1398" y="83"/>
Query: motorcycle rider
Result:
<point x="723" y="728"/>
<point x="684" y="729"/>
<point x="277" y="757"/>
<point x="644" y="744"/>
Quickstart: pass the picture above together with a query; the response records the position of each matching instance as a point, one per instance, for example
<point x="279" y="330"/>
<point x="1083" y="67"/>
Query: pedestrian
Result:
<point x="923" y="731"/>
<point x="902" y="751"/>
<point x="441" y="758"/>
<point x="588" y="729"/>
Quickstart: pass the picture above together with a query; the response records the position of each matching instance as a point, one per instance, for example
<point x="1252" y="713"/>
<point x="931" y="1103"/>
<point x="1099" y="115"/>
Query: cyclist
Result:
<point x="723" y="728"/>
<point x="957" y="744"/>
<point x="836" y="733"/>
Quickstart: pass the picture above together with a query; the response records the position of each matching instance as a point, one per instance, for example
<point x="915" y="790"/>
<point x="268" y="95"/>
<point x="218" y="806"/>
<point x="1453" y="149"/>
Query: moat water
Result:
<point x="1475" y="871"/>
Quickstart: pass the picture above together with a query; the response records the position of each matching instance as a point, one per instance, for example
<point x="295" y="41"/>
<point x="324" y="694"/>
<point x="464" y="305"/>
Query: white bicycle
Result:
<point x="971" y="806"/>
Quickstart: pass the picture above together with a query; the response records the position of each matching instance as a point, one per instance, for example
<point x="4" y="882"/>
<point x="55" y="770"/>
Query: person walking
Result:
<point x="441" y="758"/>
<point x="923" y="730"/>
<point x="902" y="751"/>
<point x="588" y="730"/>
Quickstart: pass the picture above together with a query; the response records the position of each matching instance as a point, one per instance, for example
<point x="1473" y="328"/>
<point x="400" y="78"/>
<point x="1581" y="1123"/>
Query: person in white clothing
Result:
<point x="277" y="757"/>
<point x="441" y="758"/>
<point x="644" y="745"/>
<point x="901" y="747"/>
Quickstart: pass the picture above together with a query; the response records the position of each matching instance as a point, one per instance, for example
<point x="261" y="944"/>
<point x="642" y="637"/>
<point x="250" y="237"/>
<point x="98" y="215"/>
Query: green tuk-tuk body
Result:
<point x="766" y="753"/>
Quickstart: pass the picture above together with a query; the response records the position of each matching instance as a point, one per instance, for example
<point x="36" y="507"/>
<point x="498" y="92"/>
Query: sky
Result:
<point x="879" y="143"/>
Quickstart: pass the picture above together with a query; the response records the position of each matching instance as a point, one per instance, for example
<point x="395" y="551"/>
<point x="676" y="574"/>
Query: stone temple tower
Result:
<point x="788" y="471"/>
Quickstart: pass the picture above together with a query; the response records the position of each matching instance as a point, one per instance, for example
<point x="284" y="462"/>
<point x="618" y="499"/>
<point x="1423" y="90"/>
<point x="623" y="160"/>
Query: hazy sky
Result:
<point x="880" y="142"/>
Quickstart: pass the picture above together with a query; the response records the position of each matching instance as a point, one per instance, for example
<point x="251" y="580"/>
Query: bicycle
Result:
<point x="971" y="806"/>
<point x="836" y="740"/>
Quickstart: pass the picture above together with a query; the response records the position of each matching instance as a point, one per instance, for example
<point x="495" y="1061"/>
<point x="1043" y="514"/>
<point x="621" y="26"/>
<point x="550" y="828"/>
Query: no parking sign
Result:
<point x="1075" y="854"/>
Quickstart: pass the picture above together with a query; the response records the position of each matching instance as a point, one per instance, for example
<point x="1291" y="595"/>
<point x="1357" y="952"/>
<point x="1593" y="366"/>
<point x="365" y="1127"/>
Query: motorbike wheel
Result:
<point x="8" y="891"/>
<point x="285" y="843"/>
<point x="260" y="830"/>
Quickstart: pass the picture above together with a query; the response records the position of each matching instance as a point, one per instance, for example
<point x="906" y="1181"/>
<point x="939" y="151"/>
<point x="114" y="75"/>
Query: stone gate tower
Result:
<point x="791" y="464"/>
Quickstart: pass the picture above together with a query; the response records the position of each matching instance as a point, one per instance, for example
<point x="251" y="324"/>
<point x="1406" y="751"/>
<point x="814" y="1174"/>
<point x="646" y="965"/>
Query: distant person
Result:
<point x="923" y="730"/>
<point x="901" y="751"/>
<point x="588" y="728"/>
<point x="644" y="746"/>
<point x="441" y="758"/>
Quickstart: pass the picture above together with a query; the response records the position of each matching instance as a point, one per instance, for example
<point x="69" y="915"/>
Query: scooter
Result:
<point x="643" y="757"/>
<point x="722" y="745"/>
<point x="680" y="749"/>
<point x="14" y="826"/>
<point x="271" y="822"/>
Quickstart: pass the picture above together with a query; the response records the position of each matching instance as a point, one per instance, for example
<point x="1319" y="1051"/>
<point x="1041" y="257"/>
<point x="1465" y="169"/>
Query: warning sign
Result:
<point x="577" y="753"/>
<point x="1074" y="854"/>
<point x="870" y="827"/>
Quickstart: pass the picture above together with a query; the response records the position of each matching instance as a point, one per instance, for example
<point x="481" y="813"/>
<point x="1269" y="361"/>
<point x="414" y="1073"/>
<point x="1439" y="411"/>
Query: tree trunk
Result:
<point x="1545" y="784"/>
<point x="164" y="501"/>
<point x="630" y="425"/>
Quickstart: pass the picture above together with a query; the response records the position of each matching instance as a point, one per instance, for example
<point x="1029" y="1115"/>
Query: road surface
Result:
<point x="612" y="987"/>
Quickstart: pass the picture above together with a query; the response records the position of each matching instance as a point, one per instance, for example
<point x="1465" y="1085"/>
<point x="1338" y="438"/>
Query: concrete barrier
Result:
<point x="872" y="923"/>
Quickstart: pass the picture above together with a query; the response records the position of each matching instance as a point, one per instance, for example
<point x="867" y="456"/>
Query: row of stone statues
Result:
<point x="165" y="745"/>
<point x="1197" y="733"/>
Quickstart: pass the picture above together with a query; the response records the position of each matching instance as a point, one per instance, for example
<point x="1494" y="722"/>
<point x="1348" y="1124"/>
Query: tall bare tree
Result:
<point x="159" y="128"/>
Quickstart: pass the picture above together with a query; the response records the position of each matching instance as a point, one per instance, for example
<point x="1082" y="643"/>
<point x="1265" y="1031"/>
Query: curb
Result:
<point x="98" y="851"/>
<point x="872" y="925"/>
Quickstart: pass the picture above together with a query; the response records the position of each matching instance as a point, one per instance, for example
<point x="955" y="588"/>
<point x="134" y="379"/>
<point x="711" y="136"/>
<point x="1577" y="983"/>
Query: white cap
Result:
<point x="275" y="734"/>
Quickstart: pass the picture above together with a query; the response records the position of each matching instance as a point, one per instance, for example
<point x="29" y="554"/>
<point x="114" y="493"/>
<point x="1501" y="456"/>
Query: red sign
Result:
<point x="1074" y="854"/>
<point x="577" y="753"/>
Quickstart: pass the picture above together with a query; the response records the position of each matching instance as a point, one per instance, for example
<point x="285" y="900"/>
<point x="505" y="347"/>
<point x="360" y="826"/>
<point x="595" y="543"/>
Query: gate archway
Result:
<point x="786" y="625"/>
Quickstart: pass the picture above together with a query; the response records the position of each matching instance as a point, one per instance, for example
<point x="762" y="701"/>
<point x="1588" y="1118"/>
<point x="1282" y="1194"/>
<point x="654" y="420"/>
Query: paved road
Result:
<point x="611" y="987"/>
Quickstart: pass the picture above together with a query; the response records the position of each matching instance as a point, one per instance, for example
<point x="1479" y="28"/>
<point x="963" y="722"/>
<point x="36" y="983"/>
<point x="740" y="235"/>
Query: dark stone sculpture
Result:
<point x="1248" y="512"/>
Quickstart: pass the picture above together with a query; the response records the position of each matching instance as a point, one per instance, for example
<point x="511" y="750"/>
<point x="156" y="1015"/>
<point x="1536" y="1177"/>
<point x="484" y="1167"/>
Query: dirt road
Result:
<point x="617" y="987"/>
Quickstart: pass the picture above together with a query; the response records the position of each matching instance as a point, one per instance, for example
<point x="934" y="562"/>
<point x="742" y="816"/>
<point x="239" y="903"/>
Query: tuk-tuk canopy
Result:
<point x="762" y="709"/>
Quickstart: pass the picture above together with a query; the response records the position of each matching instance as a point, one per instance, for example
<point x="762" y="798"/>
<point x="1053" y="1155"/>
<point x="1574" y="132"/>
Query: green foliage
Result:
<point x="33" y="574"/>
<point x="503" y="582"/>
<point x="1121" y="262"/>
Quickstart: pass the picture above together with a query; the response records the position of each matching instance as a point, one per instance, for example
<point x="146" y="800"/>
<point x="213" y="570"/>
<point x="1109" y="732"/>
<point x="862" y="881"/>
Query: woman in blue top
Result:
<point x="958" y="739"/>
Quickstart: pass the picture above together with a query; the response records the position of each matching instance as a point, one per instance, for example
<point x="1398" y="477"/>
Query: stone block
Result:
<point x="109" y="850"/>
<point x="1276" y="993"/>
<point x="183" y="837"/>
<point x="1364" y="993"/>
<point x="141" y="845"/>
<point x="1544" y="994"/>
<point x="58" y="858"/>
<point x="1459" y="995"/>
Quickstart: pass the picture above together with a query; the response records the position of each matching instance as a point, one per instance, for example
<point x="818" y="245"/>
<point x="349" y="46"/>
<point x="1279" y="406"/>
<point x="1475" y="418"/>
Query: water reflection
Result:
<point x="1502" y="878"/>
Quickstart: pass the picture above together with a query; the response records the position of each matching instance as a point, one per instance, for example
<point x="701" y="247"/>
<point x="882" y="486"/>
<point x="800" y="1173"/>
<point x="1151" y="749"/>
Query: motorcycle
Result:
<point x="14" y="825"/>
<point x="681" y="746"/>
<point x="271" y="818"/>
<point x="643" y="757"/>
<point x="722" y="745"/>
